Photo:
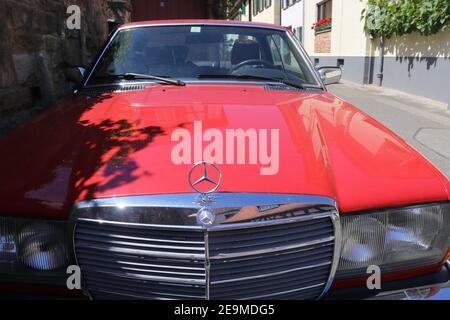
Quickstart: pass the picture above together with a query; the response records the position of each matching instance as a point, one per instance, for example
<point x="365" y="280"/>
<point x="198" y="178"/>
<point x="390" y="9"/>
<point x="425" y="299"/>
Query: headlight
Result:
<point x="31" y="247"/>
<point x="394" y="240"/>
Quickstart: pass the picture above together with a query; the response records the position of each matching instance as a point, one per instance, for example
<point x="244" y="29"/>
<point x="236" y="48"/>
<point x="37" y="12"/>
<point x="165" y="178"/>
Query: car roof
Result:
<point x="201" y="22"/>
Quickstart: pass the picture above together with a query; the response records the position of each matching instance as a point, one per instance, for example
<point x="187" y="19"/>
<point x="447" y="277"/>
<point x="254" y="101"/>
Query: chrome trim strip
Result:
<point x="158" y="254"/>
<point x="335" y="216"/>
<point x="170" y="274"/>
<point x="267" y="275"/>
<point x="118" y="236"/>
<point x="216" y="228"/>
<point x="223" y="256"/>
<point x="151" y="278"/>
<point x="152" y="226"/>
<point x="284" y="292"/>
<point x="218" y="200"/>
<point x="136" y="296"/>
<point x="248" y="25"/>
<point x="71" y="226"/>
<point x="161" y="266"/>
<point x="384" y="294"/>
<point x="146" y="245"/>
<point x="207" y="267"/>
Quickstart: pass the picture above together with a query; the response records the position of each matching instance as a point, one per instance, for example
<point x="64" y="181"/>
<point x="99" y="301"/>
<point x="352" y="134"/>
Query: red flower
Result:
<point x="321" y="22"/>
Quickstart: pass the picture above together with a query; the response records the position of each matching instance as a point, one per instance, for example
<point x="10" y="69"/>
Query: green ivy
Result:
<point x="399" y="17"/>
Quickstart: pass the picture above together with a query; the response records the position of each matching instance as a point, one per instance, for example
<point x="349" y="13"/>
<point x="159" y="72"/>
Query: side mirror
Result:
<point x="330" y="75"/>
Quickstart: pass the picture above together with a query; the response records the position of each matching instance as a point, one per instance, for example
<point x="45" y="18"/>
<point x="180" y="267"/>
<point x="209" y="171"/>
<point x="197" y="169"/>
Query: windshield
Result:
<point x="193" y="52"/>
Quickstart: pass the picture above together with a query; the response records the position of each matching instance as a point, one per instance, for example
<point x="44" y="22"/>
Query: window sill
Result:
<point x="322" y="31"/>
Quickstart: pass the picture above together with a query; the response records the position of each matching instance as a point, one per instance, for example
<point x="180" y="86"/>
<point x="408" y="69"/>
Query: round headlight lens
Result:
<point x="41" y="246"/>
<point x="396" y="239"/>
<point x="358" y="237"/>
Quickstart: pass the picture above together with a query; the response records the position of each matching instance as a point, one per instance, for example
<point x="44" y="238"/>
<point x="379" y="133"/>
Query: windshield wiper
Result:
<point x="138" y="76"/>
<point x="251" y="77"/>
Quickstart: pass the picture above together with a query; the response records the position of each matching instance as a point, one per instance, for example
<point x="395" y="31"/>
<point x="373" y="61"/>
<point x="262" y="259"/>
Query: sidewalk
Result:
<point x="422" y="122"/>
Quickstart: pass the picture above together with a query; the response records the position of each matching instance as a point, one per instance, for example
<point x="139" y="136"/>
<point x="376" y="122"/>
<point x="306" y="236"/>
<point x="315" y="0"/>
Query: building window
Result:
<point x="325" y="10"/>
<point x="324" y="17"/>
<point x="260" y="5"/>
<point x="287" y="3"/>
<point x="298" y="32"/>
<point x="243" y="7"/>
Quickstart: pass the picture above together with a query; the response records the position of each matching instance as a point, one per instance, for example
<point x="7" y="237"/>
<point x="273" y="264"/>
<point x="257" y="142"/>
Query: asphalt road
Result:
<point x="423" y="123"/>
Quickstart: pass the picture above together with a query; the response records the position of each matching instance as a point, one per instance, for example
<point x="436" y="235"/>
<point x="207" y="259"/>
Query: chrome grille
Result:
<point x="282" y="259"/>
<point x="129" y="261"/>
<point x="274" y="261"/>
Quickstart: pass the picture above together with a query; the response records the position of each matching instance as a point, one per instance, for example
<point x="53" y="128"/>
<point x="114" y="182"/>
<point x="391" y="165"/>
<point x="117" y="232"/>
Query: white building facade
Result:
<point x="292" y="16"/>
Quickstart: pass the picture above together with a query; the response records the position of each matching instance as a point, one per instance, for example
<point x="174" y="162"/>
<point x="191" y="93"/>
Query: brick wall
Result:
<point x="39" y="54"/>
<point x="322" y="42"/>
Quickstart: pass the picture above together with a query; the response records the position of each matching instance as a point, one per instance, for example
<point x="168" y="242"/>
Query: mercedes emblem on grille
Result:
<point x="205" y="177"/>
<point x="206" y="217"/>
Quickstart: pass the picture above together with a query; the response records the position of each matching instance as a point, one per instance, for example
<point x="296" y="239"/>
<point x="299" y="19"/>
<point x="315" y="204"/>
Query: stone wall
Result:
<point x="39" y="54"/>
<point x="119" y="11"/>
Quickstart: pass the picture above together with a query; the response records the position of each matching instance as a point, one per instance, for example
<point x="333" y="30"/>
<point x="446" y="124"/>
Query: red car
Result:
<point x="206" y="160"/>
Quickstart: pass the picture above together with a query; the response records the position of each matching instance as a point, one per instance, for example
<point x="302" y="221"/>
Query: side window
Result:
<point x="274" y="43"/>
<point x="282" y="54"/>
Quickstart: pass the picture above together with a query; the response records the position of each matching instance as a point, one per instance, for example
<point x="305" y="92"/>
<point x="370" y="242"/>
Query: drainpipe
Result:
<point x="281" y="12"/>
<point x="303" y="23"/>
<point x="209" y="11"/>
<point x="250" y="10"/>
<point x="381" y="73"/>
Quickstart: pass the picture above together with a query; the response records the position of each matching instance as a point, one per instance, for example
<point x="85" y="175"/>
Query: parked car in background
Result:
<point x="207" y="160"/>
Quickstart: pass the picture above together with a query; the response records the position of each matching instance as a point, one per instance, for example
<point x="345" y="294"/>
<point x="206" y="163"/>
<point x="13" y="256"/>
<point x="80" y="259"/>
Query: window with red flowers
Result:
<point x="324" y="16"/>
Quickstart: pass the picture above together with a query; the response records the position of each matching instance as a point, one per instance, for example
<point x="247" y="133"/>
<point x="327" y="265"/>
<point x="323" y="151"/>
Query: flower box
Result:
<point x="322" y="25"/>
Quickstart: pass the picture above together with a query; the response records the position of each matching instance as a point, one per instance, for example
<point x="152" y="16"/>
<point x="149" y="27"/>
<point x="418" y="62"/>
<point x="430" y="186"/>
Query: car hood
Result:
<point x="95" y="145"/>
